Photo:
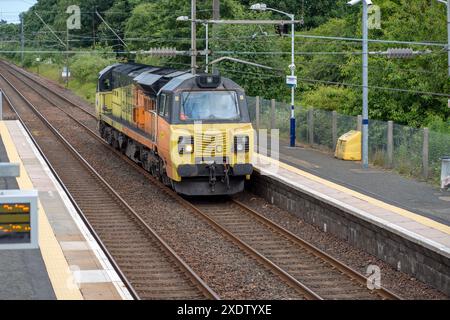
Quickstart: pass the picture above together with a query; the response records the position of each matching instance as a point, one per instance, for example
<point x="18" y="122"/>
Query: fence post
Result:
<point x="257" y="113"/>
<point x="334" y="128"/>
<point x="311" y="125"/>
<point x="272" y="115"/>
<point x="425" y="154"/>
<point x="359" y="123"/>
<point x="390" y="144"/>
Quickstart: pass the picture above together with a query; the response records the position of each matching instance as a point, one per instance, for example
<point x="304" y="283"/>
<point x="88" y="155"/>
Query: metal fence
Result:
<point x="410" y="151"/>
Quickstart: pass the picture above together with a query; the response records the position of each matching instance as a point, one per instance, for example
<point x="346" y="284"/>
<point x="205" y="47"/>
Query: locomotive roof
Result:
<point x="154" y="78"/>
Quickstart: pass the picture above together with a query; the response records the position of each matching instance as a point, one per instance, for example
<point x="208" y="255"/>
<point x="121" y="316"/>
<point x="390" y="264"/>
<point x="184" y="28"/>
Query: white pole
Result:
<point x="207" y="49"/>
<point x="365" y="120"/>
<point x="292" y="133"/>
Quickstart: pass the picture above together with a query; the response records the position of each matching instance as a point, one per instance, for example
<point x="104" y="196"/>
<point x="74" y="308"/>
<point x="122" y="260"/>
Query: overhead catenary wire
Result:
<point x="351" y="41"/>
<point x="345" y="84"/>
<point x="302" y="53"/>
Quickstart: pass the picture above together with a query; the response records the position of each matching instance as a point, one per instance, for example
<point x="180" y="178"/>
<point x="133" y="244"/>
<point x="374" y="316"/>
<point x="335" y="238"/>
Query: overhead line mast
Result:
<point x="193" y="37"/>
<point x="216" y="16"/>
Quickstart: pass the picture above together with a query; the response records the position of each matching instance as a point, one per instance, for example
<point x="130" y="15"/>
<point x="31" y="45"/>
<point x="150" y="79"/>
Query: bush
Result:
<point x="85" y="68"/>
<point x="331" y="98"/>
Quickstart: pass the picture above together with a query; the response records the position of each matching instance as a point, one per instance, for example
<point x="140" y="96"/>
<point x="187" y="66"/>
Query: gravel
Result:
<point x="228" y="271"/>
<point x="220" y="263"/>
<point x="399" y="283"/>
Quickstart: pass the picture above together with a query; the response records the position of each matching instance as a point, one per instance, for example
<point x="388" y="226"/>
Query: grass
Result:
<point x="85" y="90"/>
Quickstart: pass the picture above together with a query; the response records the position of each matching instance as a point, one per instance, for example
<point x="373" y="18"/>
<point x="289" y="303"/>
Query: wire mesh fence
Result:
<point x="410" y="151"/>
<point x="408" y="148"/>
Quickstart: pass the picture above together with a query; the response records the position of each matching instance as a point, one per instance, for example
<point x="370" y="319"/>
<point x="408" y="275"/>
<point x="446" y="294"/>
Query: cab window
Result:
<point x="164" y="105"/>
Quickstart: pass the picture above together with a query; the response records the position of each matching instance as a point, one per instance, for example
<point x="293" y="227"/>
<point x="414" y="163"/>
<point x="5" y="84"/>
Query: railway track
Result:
<point x="313" y="273"/>
<point x="7" y="112"/>
<point x="150" y="267"/>
<point x="328" y="278"/>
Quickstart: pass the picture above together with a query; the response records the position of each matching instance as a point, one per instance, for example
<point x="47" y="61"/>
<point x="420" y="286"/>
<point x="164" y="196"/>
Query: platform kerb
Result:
<point x="76" y="265"/>
<point x="408" y="252"/>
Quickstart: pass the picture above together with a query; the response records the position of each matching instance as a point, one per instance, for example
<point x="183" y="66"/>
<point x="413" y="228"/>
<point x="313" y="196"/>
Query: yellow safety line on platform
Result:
<point x="57" y="267"/>
<point x="408" y="214"/>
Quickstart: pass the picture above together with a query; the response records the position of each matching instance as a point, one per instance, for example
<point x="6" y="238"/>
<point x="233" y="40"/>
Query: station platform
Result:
<point x="384" y="185"/>
<point x="69" y="265"/>
<point x="410" y="240"/>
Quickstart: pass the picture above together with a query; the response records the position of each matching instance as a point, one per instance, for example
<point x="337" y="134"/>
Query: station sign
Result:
<point x="65" y="73"/>
<point x="291" y="81"/>
<point x="18" y="219"/>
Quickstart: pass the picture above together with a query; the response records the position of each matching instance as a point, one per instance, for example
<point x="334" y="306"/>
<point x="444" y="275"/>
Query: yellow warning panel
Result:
<point x="348" y="146"/>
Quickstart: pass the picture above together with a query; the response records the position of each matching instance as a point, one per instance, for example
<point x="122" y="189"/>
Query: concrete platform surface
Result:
<point x="23" y="275"/>
<point x="387" y="186"/>
<point x="77" y="267"/>
<point x="409" y="241"/>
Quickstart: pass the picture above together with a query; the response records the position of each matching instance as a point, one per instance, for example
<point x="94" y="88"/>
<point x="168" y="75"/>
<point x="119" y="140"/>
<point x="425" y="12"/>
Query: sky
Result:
<point x="10" y="9"/>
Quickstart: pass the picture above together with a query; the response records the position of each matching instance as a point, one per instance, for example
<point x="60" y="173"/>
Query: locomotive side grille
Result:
<point x="208" y="145"/>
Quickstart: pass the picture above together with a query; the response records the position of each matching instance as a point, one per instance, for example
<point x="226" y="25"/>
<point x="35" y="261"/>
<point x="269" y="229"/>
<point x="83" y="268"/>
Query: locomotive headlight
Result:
<point x="189" y="148"/>
<point x="219" y="149"/>
<point x="185" y="145"/>
<point x="241" y="144"/>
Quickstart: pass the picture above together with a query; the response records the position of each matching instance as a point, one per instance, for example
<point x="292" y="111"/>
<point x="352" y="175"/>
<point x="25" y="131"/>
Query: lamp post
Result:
<point x="292" y="80"/>
<point x="365" y="75"/>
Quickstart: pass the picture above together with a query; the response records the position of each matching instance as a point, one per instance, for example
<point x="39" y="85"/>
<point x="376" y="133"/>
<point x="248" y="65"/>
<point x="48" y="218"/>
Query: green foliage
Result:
<point x="321" y="65"/>
<point x="314" y="12"/>
<point x="85" y="68"/>
<point x="331" y="98"/>
<point x="409" y="21"/>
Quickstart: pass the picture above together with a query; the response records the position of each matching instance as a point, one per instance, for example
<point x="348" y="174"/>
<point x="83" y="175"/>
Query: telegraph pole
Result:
<point x="216" y="9"/>
<point x="193" y="36"/>
<point x="93" y="25"/>
<point x="67" y="58"/>
<point x="22" y="39"/>
<point x="448" y="36"/>
<point x="216" y="16"/>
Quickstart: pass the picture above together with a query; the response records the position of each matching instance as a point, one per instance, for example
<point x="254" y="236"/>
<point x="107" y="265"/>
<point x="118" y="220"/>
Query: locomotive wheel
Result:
<point x="163" y="174"/>
<point x="114" y="142"/>
<point x="153" y="170"/>
<point x="101" y="129"/>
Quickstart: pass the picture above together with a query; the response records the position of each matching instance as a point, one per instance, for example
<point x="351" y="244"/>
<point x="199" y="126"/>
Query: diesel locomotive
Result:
<point x="193" y="132"/>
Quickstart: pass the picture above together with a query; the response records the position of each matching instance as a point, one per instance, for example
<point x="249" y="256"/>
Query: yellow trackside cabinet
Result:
<point x="348" y="146"/>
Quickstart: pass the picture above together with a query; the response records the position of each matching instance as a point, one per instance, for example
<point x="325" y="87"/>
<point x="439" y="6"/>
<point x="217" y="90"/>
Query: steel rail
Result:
<point x="294" y="283"/>
<point x="350" y="272"/>
<point x="25" y="74"/>
<point x="204" y="288"/>
<point x="77" y="208"/>
<point x="300" y="287"/>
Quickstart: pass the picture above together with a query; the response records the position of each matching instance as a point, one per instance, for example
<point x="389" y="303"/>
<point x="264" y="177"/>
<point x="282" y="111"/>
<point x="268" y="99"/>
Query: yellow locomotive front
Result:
<point x="211" y="139"/>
